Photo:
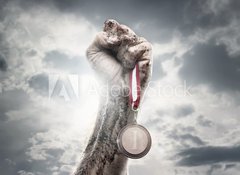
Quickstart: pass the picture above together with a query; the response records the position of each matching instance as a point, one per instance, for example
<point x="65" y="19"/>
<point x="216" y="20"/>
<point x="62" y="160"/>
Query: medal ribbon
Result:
<point x="135" y="89"/>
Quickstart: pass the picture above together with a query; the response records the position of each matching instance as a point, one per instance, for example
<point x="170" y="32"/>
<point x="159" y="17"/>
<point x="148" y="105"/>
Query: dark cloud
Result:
<point x="3" y="63"/>
<point x="154" y="16"/>
<point x="184" y="110"/>
<point x="12" y="100"/>
<point x="187" y="139"/>
<point x="210" y="64"/>
<point x="229" y="166"/>
<point x="209" y="155"/>
<point x="162" y="18"/>
<point x="15" y="134"/>
<point x="208" y="15"/>
<point x="201" y="120"/>
<point x="39" y="82"/>
<point x="14" y="138"/>
<point x="178" y="111"/>
<point x="2" y="5"/>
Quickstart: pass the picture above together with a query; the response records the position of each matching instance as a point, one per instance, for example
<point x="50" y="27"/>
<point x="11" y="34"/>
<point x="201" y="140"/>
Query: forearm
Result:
<point x="101" y="155"/>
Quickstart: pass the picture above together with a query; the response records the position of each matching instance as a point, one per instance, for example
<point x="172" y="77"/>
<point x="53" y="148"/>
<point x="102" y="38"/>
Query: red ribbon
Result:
<point x="135" y="88"/>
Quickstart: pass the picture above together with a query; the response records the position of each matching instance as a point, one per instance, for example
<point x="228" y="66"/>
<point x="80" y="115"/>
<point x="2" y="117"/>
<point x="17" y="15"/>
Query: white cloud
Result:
<point x="176" y="46"/>
<point x="67" y="124"/>
<point x="30" y="34"/>
<point x="22" y="172"/>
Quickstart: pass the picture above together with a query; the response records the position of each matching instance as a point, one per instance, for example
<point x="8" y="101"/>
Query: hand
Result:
<point x="112" y="58"/>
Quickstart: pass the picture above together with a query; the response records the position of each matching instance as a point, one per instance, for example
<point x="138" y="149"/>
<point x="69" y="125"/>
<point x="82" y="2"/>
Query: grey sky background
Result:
<point x="191" y="106"/>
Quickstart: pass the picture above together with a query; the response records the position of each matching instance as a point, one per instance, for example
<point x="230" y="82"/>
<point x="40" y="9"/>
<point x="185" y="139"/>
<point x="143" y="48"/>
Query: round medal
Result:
<point x="134" y="141"/>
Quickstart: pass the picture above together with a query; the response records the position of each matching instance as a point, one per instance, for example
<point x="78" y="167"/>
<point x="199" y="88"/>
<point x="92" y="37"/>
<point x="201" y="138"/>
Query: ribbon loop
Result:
<point x="135" y="88"/>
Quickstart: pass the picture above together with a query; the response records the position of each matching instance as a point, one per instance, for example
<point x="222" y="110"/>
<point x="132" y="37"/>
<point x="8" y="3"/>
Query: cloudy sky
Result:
<point x="191" y="107"/>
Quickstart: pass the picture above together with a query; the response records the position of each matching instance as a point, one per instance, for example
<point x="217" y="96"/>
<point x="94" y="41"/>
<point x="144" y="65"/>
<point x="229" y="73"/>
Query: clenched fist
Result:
<point x="116" y="50"/>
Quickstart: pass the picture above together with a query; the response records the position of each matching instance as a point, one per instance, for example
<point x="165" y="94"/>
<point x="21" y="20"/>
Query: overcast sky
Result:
<point x="191" y="107"/>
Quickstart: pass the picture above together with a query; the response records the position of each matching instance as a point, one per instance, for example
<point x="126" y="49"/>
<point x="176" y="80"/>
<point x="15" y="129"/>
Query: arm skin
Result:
<point x="101" y="155"/>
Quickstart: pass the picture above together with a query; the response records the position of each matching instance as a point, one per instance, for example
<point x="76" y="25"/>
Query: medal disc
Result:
<point x="134" y="141"/>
